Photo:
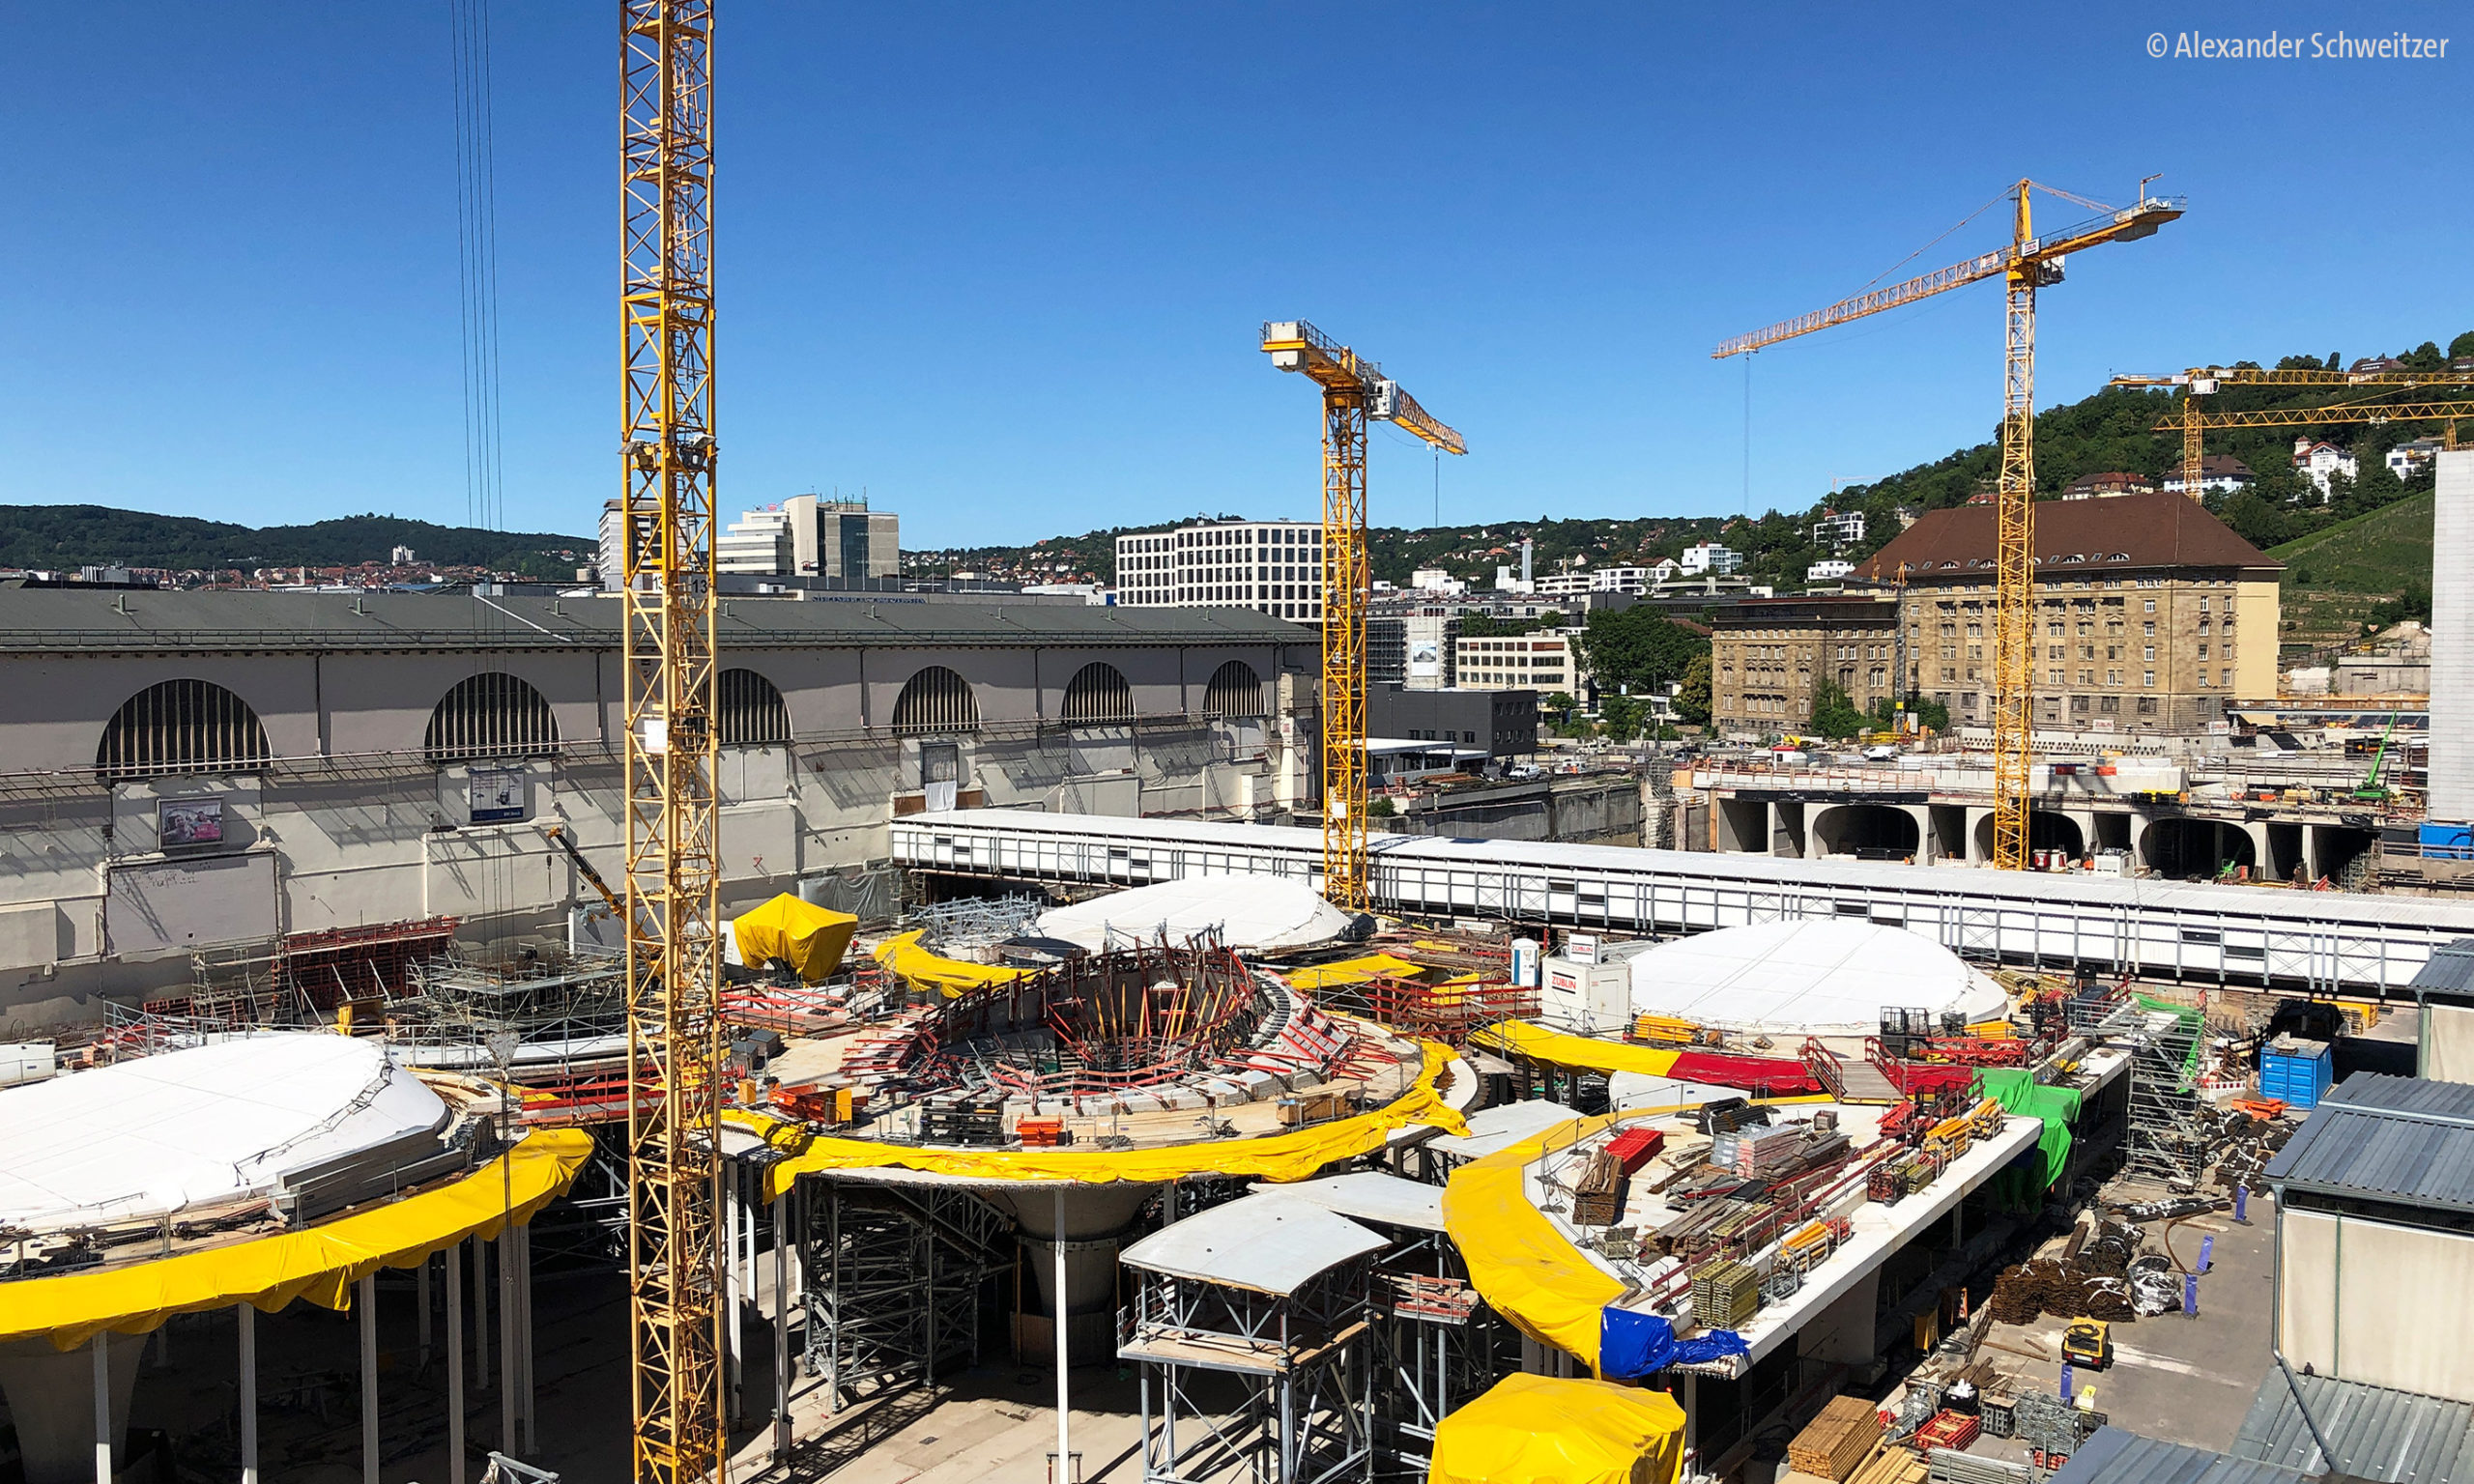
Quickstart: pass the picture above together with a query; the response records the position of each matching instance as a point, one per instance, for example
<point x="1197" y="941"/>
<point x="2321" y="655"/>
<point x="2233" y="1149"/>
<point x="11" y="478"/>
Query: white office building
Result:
<point x="1272" y="567"/>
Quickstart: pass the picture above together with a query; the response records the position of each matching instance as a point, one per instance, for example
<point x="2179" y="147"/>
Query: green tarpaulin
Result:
<point x="2057" y="1108"/>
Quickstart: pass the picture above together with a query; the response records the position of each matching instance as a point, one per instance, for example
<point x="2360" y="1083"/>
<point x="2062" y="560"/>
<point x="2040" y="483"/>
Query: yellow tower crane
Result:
<point x="2205" y="381"/>
<point x="672" y="864"/>
<point x="1354" y="391"/>
<point x="2029" y="263"/>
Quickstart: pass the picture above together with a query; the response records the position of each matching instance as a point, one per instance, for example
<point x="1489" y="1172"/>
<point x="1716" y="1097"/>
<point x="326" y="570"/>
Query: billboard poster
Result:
<point x="496" y="796"/>
<point x="181" y="823"/>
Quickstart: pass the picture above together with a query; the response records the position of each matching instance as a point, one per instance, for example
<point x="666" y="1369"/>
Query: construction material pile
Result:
<point x="2094" y="1282"/>
<point x="2243" y="1147"/>
<point x="1834" y="1442"/>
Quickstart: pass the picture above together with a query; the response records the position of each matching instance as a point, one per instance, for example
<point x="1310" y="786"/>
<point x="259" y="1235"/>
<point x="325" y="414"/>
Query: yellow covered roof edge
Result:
<point x="320" y="1264"/>
<point x="1539" y="1043"/>
<point x="901" y="955"/>
<point x="1519" y="1262"/>
<point x="1279" y="1156"/>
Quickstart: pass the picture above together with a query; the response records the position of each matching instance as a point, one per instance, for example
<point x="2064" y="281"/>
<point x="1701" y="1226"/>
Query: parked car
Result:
<point x="1880" y="751"/>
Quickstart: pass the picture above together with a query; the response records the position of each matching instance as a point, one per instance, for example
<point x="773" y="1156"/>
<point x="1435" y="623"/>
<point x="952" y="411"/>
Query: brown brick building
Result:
<point x="1765" y="655"/>
<point x="2150" y="614"/>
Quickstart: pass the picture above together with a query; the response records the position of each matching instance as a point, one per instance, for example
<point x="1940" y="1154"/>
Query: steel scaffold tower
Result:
<point x="673" y="1167"/>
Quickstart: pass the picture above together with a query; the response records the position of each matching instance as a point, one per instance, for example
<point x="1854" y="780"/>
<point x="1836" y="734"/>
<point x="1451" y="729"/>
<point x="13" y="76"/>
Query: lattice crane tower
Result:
<point x="2027" y="264"/>
<point x="674" y="1108"/>
<point x="1354" y="391"/>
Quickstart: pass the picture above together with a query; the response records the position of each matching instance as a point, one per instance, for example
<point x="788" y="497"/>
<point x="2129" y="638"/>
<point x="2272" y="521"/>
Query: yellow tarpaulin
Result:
<point x="901" y="955"/>
<point x="320" y="1264"/>
<point x="1543" y="1430"/>
<point x="1525" y="1269"/>
<point x="1279" y="1156"/>
<point x="1540" y="1044"/>
<point x="809" y="938"/>
<point x="1356" y="971"/>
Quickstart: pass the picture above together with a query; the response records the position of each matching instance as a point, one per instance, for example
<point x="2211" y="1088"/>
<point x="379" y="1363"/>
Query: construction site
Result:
<point x="649" y="1036"/>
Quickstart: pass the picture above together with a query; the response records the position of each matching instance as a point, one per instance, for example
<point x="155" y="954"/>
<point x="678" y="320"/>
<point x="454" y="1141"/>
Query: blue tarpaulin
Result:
<point x="1631" y="1344"/>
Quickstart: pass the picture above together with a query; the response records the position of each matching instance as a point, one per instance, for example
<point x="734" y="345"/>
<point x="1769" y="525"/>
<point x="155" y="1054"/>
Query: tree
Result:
<point x="1380" y="808"/>
<point x="1639" y="649"/>
<point x="1692" y="702"/>
<point x="1834" y="715"/>
<point x="1477" y="625"/>
<point x="1929" y="713"/>
<point x="1558" y="706"/>
<point x="2463" y="345"/>
<point x="1622" y="716"/>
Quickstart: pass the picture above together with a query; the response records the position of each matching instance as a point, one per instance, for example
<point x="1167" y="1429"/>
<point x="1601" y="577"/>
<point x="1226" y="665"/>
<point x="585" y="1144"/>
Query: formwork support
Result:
<point x="895" y="1275"/>
<point x="1306" y="1364"/>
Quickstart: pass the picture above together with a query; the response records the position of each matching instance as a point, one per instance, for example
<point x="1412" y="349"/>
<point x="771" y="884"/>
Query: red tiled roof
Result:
<point x="2076" y="538"/>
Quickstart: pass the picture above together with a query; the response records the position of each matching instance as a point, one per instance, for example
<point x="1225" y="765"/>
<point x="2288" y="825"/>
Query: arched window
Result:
<point x="934" y="699"/>
<point x="490" y="715"/>
<point x="1235" y="693"/>
<point x="181" y="726"/>
<point x="1097" y="694"/>
<point x="752" y="713"/>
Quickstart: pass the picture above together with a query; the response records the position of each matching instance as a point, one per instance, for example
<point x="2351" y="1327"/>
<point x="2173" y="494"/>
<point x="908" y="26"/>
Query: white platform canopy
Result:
<point x="1262" y="914"/>
<point x="162" y="1134"/>
<point x="1371" y="1196"/>
<point x="1272" y="1243"/>
<point x="1501" y="1127"/>
<point x="1818" y="977"/>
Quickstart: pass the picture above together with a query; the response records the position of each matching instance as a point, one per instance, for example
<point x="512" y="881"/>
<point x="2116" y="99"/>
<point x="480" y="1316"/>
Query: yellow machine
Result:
<point x="2029" y="262"/>
<point x="673" y="859"/>
<point x="2088" y="1343"/>
<point x="1354" y="391"/>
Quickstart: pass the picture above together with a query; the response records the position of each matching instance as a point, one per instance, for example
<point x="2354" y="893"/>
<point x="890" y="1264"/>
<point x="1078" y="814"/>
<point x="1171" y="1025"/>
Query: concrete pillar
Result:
<point x="1922" y="814"/>
<point x="247" y="1316"/>
<point x="1844" y="1331"/>
<point x="367" y="1303"/>
<point x="2261" y="857"/>
<point x="454" y="1258"/>
<point x="53" y="1400"/>
<point x="2451" y="796"/>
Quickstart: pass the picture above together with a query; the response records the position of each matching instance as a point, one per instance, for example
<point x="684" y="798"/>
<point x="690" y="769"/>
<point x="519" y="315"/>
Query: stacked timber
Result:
<point x="1599" y="1199"/>
<point x="1833" y="1445"/>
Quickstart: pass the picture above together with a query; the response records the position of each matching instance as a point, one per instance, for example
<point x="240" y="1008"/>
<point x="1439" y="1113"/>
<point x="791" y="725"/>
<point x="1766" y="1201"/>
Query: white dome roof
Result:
<point x="1823" y="976"/>
<point x="1256" y="913"/>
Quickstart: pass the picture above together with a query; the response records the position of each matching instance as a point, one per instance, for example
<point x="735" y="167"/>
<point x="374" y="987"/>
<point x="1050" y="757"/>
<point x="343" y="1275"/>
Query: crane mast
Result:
<point x="672" y="864"/>
<point x="2027" y="264"/>
<point x="1354" y="391"/>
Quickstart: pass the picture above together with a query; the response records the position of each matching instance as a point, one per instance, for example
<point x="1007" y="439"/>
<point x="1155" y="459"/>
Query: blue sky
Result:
<point x="1003" y="265"/>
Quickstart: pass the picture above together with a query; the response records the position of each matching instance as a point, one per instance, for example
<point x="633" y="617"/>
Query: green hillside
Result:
<point x="2375" y="567"/>
<point x="70" y="536"/>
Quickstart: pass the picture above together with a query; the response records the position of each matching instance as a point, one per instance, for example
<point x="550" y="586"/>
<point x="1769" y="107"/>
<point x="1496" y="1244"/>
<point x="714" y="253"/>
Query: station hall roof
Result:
<point x="61" y="620"/>
<point x="1273" y="1243"/>
<point x="2113" y="1456"/>
<point x="2400" y="1140"/>
<point x="2074" y="538"/>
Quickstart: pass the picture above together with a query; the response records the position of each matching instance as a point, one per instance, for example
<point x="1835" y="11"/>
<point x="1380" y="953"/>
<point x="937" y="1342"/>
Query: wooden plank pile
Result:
<point x="1835" y="1443"/>
<point x="1599" y="1199"/>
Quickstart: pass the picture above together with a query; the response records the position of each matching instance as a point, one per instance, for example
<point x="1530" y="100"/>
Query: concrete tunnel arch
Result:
<point x="2046" y="831"/>
<point x="1873" y="832"/>
<point x="2181" y="846"/>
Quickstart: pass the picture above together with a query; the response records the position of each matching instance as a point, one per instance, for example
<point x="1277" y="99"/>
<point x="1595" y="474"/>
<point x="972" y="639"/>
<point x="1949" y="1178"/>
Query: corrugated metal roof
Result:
<point x="2402" y="1139"/>
<point x="1271" y="1244"/>
<point x="2379" y="1434"/>
<point x="2450" y="971"/>
<point x="54" y="620"/>
<point x="2116" y="1456"/>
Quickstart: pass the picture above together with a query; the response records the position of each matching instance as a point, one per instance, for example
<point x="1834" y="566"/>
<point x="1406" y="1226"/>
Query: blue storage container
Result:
<point x="2294" y="1069"/>
<point x="2448" y="842"/>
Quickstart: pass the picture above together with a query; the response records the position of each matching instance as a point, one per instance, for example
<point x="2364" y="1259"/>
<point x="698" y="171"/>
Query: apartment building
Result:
<point x="1767" y="657"/>
<point x="2151" y="614"/>
<point x="1272" y="567"/>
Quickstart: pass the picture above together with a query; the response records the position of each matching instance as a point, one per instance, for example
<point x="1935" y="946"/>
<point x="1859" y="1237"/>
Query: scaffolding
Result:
<point x="955" y="927"/>
<point x="1302" y="1358"/>
<point x="895" y="1273"/>
<point x="1437" y="1346"/>
<point x="2168" y="1140"/>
